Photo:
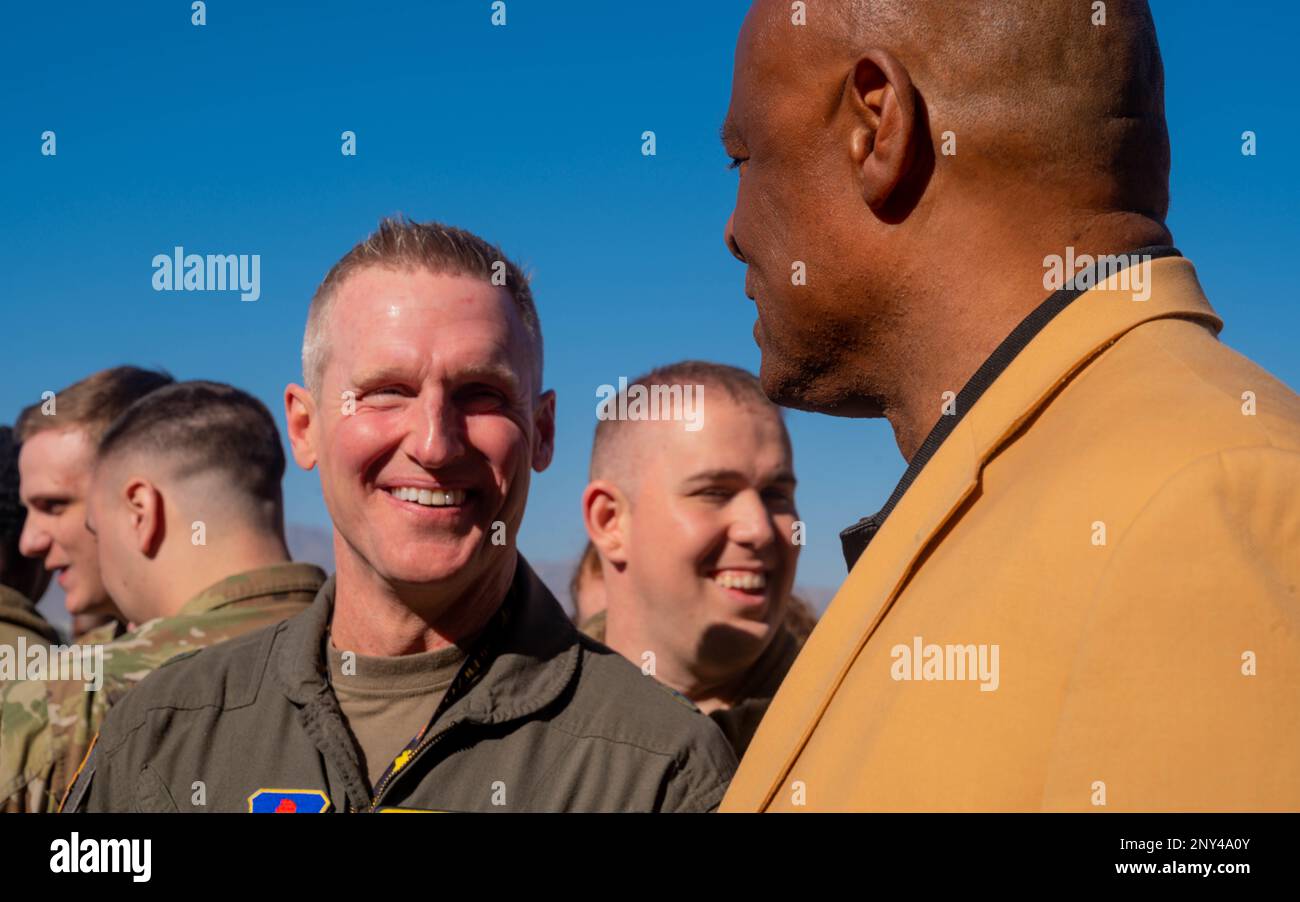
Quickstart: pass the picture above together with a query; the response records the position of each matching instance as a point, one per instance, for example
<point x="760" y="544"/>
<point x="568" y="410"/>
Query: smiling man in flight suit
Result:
<point x="434" y="670"/>
<point x="1083" y="593"/>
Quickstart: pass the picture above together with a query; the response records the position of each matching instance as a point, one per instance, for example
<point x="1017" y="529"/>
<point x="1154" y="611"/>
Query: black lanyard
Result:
<point x="466" y="678"/>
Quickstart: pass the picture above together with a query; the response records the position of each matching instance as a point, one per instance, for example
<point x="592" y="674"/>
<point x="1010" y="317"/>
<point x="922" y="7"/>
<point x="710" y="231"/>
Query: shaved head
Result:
<point x="1033" y="87"/>
<point x="893" y="151"/>
<point x="620" y="449"/>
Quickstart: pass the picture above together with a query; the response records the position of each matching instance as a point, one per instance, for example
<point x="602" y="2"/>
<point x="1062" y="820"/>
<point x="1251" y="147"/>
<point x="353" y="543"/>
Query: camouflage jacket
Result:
<point x="102" y="634"/>
<point x="46" y="726"/>
<point x="18" y="617"/>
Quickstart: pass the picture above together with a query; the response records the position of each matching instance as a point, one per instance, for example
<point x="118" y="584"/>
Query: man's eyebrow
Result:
<point x="397" y="373"/>
<point x="498" y="371"/>
<point x="385" y="373"/>
<point x="45" y="498"/>
<point x="784" y="477"/>
<point x="720" y="475"/>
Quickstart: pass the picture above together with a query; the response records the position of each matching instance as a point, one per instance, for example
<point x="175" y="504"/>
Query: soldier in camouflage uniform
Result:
<point x="58" y="436"/>
<point x="46" y="726"/>
<point x="213" y="459"/>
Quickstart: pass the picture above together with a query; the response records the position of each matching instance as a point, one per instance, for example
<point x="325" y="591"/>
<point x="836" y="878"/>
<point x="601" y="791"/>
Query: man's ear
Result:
<point x="300" y="416"/>
<point x="544" y="431"/>
<point x="603" y="508"/>
<point x="880" y="96"/>
<point x="148" y="518"/>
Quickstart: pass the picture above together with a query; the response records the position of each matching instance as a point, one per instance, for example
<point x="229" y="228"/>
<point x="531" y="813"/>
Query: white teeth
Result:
<point x="741" y="579"/>
<point x="429" y="497"/>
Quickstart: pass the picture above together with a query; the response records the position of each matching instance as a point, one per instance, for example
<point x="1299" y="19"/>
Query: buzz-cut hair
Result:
<point x="741" y="386"/>
<point x="402" y="244"/>
<point x="200" y="427"/>
<point x="92" y="403"/>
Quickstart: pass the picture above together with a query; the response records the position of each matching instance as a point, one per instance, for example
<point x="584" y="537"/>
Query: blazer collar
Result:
<point x="855" y="538"/>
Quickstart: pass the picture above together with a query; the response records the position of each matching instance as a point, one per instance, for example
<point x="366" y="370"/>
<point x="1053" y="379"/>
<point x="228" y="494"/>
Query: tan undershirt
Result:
<point x="386" y="701"/>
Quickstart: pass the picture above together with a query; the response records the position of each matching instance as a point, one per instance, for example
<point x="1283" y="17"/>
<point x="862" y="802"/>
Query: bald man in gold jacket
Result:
<point x="1084" y="594"/>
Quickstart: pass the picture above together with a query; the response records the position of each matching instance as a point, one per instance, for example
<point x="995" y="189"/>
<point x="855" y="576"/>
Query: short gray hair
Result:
<point x="402" y="243"/>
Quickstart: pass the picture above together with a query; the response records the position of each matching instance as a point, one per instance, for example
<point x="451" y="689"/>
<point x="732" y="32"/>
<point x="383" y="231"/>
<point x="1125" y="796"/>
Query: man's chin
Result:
<point x="800" y="388"/>
<point x="423" y="574"/>
<point x="436" y="566"/>
<point x="783" y="383"/>
<point x="737" y="640"/>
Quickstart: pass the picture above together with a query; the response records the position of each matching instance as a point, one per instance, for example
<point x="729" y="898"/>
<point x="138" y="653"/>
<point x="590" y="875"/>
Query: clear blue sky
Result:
<point x="225" y="139"/>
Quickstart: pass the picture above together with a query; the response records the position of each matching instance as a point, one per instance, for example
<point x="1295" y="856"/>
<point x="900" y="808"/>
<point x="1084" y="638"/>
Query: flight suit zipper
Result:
<point x="470" y="673"/>
<point x="391" y="777"/>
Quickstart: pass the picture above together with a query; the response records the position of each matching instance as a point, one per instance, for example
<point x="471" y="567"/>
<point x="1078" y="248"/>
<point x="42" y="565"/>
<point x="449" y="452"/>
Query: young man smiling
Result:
<point x="696" y="535"/>
<point x="434" y="670"/>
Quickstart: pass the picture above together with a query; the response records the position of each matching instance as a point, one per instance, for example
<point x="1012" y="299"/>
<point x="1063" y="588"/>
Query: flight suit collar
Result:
<point x="257" y="583"/>
<point x="535" y="659"/>
<point x="1058" y="349"/>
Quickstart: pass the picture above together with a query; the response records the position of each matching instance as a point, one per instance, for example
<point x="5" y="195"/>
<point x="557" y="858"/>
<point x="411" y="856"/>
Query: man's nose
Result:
<point x="33" y="541"/>
<point x="436" y="438"/>
<point x="752" y="524"/>
<point x="729" y="236"/>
